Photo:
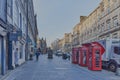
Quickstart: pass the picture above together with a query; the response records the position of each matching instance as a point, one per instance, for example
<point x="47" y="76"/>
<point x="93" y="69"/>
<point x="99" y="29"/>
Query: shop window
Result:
<point x="97" y="55"/>
<point x="114" y="0"/>
<point x="115" y="35"/>
<point x="94" y="29"/>
<point x="21" y="51"/>
<point x="102" y="27"/>
<point x="23" y="25"/>
<point x="98" y="28"/>
<point x="102" y="38"/>
<point x="91" y="31"/>
<point x="108" y="10"/>
<point x="108" y="24"/>
<point x="84" y="56"/>
<point x="20" y="21"/>
<point x="115" y="22"/>
<point x="9" y="7"/>
<point x="108" y="36"/>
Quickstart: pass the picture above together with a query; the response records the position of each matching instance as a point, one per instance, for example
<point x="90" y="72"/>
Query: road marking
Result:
<point x="62" y="68"/>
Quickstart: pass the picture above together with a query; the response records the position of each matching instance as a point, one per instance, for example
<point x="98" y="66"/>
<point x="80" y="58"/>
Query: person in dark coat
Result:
<point x="37" y="55"/>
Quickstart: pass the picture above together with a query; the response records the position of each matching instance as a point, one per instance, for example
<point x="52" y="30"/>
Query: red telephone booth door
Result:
<point x="97" y="59"/>
<point x="79" y="60"/>
<point x="75" y="55"/>
<point x="90" y="58"/>
<point x="84" y="56"/>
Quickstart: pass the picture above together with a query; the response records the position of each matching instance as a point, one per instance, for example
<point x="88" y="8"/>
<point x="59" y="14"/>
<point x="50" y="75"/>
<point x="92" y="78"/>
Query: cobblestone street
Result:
<point x="57" y="69"/>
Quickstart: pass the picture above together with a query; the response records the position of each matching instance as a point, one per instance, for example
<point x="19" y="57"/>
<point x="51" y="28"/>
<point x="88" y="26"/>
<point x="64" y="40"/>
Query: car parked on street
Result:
<point x="59" y="54"/>
<point x="66" y="56"/>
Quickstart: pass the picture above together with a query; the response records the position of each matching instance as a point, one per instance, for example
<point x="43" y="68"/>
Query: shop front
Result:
<point x="2" y="51"/>
<point x="13" y="44"/>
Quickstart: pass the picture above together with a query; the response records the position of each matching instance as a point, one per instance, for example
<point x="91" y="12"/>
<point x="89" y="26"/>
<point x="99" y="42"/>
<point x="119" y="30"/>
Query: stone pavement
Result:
<point x="57" y="69"/>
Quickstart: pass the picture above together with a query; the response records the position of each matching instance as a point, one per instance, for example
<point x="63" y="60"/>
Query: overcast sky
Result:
<point x="56" y="17"/>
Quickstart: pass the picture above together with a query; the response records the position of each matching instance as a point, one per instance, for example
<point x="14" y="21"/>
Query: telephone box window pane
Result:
<point x="97" y="58"/>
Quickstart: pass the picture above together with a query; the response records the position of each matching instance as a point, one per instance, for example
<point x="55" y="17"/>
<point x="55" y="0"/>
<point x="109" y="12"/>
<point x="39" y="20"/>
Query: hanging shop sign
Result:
<point x="13" y="36"/>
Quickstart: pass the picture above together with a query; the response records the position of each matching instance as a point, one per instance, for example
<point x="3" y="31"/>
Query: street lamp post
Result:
<point x="26" y="46"/>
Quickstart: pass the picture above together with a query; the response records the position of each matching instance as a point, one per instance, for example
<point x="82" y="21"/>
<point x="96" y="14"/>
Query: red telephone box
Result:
<point x="95" y="58"/>
<point x="75" y="55"/>
<point x="84" y="56"/>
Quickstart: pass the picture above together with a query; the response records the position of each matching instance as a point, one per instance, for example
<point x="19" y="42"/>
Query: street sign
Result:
<point x="13" y="37"/>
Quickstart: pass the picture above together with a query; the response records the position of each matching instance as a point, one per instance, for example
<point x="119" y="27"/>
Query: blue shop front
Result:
<point x="3" y="35"/>
<point x="3" y="65"/>
<point x="15" y="40"/>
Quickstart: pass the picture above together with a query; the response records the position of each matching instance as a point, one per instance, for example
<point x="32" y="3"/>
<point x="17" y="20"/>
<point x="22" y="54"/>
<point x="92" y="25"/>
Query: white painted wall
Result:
<point x="2" y="9"/>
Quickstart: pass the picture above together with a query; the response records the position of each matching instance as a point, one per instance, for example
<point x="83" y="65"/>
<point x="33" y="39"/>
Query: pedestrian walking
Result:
<point x="16" y="57"/>
<point x="37" y="55"/>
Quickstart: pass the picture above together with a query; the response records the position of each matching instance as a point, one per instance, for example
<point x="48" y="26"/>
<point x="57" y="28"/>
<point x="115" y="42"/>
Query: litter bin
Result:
<point x="50" y="56"/>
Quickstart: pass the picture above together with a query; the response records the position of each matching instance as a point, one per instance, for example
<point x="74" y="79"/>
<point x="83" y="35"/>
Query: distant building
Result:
<point x="67" y="42"/>
<point x="61" y="44"/>
<point x="55" y="45"/>
<point x="102" y="23"/>
<point x="75" y="37"/>
<point x="43" y="45"/>
<point x="64" y="44"/>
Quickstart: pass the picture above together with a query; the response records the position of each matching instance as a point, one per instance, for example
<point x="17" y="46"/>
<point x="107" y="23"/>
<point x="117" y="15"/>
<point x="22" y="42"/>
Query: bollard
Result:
<point x="118" y="71"/>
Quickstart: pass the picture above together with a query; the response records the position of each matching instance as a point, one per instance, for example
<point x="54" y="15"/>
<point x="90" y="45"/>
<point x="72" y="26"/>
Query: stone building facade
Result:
<point x="102" y="23"/>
